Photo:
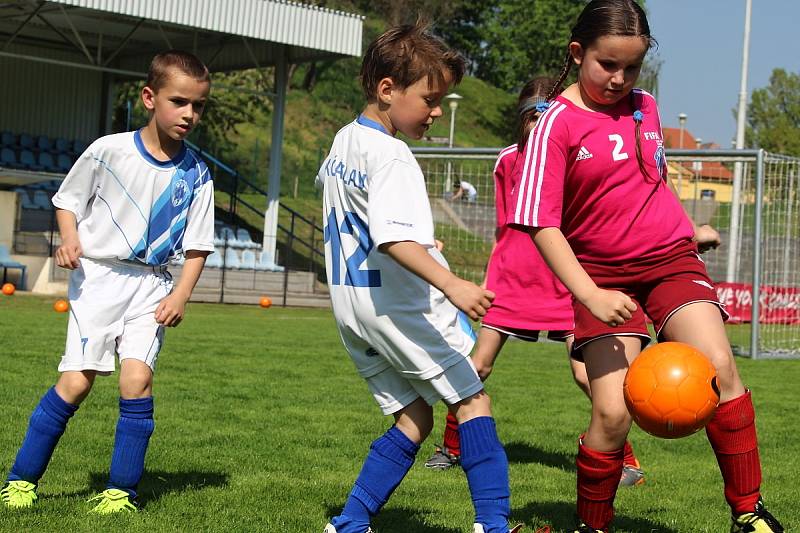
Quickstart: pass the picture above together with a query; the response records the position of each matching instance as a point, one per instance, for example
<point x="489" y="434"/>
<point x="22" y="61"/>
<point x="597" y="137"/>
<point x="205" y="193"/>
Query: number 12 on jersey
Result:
<point x="355" y="227"/>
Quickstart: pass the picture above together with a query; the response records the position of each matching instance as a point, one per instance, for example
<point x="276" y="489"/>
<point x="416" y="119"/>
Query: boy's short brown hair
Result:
<point x="189" y="64"/>
<point x="406" y="54"/>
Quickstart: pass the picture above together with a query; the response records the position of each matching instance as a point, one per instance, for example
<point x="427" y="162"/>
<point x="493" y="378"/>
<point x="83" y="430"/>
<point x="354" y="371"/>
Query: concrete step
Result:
<point x="232" y="296"/>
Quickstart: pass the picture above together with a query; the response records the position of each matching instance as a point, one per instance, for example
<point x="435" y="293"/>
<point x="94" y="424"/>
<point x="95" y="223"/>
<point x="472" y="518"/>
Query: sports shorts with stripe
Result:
<point x="112" y="312"/>
<point x="659" y="287"/>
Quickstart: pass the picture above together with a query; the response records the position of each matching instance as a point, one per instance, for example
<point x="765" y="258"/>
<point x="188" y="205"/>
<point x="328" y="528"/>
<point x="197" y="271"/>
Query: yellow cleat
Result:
<point x="759" y="521"/>
<point x="19" y="494"/>
<point x="113" y="501"/>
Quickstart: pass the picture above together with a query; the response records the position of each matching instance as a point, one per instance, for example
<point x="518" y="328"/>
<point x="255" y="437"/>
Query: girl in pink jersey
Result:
<point x="593" y="192"/>
<point x="528" y="297"/>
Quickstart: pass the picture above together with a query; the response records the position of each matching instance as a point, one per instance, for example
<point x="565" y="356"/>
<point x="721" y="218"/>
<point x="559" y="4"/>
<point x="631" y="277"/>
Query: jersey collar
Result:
<point x="174" y="162"/>
<point x="368" y="122"/>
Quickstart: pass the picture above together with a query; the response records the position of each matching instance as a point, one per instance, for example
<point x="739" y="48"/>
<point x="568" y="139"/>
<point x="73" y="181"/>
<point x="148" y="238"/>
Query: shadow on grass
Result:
<point x="560" y="516"/>
<point x="400" y="520"/>
<point x="523" y="452"/>
<point x="156" y="484"/>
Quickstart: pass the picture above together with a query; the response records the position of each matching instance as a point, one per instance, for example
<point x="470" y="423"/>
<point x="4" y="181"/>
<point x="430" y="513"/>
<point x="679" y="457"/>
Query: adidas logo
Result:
<point x="583" y="153"/>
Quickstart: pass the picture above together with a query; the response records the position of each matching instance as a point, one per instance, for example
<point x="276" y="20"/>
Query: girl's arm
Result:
<point x="612" y="307"/>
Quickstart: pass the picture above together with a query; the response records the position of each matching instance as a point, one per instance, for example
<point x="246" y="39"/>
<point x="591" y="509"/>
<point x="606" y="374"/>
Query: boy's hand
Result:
<point x="68" y="254"/>
<point x="706" y="238"/>
<point x="170" y="311"/>
<point x="611" y="307"/>
<point x="468" y="297"/>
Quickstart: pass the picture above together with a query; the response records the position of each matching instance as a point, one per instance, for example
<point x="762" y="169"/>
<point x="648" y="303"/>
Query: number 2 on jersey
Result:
<point x="354" y="226"/>
<point x="617" y="153"/>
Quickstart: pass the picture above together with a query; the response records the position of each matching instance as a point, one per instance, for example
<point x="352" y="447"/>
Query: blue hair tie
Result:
<point x="541" y="107"/>
<point x="638" y="116"/>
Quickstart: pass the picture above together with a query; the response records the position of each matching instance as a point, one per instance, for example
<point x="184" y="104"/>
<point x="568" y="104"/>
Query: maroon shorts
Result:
<point x="659" y="287"/>
<point x="530" y="335"/>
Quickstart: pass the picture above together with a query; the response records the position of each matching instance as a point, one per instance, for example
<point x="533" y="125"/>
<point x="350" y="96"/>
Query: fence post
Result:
<point x="757" y="245"/>
<point x="287" y="260"/>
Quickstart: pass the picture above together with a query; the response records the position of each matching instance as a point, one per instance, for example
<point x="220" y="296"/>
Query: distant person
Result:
<point x="131" y="202"/>
<point x="464" y="190"/>
<point x="399" y="309"/>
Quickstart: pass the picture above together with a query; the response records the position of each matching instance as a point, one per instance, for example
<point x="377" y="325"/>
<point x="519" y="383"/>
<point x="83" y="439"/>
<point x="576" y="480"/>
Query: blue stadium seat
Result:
<point x="244" y="239"/>
<point x="265" y="262"/>
<point x="79" y="146"/>
<point x="8" y="139"/>
<point x="25" y="141"/>
<point x="248" y="260"/>
<point x="8" y="159"/>
<point x="214" y="260"/>
<point x="28" y="160"/>
<point x="42" y="200"/>
<point x="46" y="162"/>
<point x="232" y="259"/>
<point x="6" y="262"/>
<point x="63" y="163"/>
<point x="24" y="199"/>
<point x="43" y="143"/>
<point x="61" y="146"/>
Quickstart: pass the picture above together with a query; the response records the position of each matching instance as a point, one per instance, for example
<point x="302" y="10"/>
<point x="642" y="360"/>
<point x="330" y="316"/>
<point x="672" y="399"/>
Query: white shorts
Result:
<point x="112" y="311"/>
<point x="393" y="391"/>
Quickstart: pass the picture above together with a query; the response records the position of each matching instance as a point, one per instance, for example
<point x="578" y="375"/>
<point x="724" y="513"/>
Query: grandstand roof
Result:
<point x="123" y="36"/>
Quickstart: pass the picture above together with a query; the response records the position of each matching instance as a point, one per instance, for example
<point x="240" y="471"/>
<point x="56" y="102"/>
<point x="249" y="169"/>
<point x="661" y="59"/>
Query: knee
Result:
<point x="614" y="421"/>
<point x="476" y="405"/>
<point x="73" y="387"/>
<point x="136" y="384"/>
<point x="722" y="360"/>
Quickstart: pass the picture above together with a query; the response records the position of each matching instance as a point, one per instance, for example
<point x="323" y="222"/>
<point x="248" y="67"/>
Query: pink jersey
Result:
<point x="527" y="294"/>
<point x="579" y="172"/>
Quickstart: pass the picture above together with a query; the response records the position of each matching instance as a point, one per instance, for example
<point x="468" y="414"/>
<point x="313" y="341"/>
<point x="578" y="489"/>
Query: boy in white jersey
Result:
<point x="395" y="301"/>
<point x="130" y="203"/>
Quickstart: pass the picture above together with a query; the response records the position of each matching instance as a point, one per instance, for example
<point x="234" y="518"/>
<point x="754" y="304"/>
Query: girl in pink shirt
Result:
<point x="528" y="296"/>
<point x="594" y="194"/>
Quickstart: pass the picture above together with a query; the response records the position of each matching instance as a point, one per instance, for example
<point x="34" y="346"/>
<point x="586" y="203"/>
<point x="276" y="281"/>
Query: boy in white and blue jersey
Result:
<point x="399" y="309"/>
<point x="131" y="202"/>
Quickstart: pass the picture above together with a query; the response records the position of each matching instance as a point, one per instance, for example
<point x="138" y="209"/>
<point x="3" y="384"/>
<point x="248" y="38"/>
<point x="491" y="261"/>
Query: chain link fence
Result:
<point x="749" y="196"/>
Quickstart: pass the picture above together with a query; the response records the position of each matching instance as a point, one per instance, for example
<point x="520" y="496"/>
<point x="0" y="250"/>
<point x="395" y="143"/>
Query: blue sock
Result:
<point x="387" y="463"/>
<point x="134" y="428"/>
<point x="485" y="463"/>
<point x="47" y="423"/>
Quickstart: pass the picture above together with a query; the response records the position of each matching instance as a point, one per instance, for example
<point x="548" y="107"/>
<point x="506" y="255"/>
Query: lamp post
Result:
<point x="697" y="166"/>
<point x="453" y="99"/>
<point x="682" y="121"/>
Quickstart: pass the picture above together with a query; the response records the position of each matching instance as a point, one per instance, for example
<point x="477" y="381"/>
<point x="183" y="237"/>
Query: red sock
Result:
<point x="451" y="440"/>
<point x="732" y="434"/>
<point x="598" y="478"/>
<point x="630" y="458"/>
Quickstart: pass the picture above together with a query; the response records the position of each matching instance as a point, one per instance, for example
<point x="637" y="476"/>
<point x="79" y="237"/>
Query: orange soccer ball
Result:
<point x="265" y="302"/>
<point x="671" y="390"/>
<point x="8" y="289"/>
<point x="61" y="306"/>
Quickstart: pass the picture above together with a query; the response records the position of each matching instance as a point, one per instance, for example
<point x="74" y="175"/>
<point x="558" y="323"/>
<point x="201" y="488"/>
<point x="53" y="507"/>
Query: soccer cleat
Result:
<point x="478" y="528"/>
<point x="19" y="494"/>
<point x="330" y="529"/>
<point x="583" y="528"/>
<point x="113" y="501"/>
<point x="631" y="476"/>
<point x="759" y="521"/>
<point x="442" y="459"/>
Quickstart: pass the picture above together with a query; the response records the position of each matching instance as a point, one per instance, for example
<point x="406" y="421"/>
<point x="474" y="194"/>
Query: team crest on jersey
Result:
<point x="661" y="162"/>
<point x="180" y="191"/>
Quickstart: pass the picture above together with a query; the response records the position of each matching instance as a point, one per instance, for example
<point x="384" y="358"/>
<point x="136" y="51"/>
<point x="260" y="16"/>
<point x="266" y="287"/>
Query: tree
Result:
<point x="773" y="117"/>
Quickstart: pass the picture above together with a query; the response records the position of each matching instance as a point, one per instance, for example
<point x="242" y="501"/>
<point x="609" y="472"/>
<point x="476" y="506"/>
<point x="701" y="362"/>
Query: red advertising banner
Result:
<point x="779" y="305"/>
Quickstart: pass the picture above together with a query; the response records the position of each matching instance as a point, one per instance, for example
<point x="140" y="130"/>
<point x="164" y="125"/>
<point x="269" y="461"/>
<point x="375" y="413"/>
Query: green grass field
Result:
<point x="262" y="424"/>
